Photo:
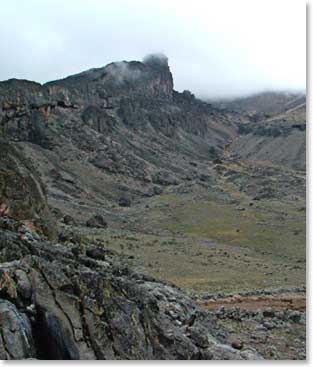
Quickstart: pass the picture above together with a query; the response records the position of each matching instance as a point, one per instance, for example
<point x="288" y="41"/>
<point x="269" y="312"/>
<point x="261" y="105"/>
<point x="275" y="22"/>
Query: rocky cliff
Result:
<point x="123" y="120"/>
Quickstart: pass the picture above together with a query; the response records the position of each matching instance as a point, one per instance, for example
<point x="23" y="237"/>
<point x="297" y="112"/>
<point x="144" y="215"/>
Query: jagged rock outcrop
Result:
<point x="140" y="94"/>
<point x="56" y="303"/>
<point x="88" y="130"/>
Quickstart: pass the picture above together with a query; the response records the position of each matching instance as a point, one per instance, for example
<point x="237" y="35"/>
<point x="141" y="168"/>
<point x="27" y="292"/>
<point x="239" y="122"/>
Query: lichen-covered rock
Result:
<point x="16" y="341"/>
<point x="60" y="305"/>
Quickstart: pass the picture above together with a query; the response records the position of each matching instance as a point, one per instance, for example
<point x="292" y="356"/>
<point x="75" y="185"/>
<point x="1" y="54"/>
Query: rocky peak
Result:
<point x="151" y="78"/>
<point x="158" y="65"/>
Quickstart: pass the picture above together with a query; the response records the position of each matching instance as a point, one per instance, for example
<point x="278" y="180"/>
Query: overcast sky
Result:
<point x="215" y="48"/>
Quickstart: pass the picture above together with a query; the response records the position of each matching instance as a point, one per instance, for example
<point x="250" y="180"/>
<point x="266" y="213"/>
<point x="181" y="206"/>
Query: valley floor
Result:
<point x="212" y="239"/>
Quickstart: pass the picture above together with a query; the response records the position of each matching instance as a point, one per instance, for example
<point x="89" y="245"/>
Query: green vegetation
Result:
<point x="204" y="245"/>
<point x="268" y="227"/>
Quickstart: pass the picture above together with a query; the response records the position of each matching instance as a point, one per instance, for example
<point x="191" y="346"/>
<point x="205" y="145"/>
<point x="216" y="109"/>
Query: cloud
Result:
<point x="121" y="72"/>
<point x="215" y="48"/>
<point x="156" y="59"/>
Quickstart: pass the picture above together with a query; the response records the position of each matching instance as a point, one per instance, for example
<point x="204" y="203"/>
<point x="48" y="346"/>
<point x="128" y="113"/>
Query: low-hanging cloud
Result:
<point x="155" y="59"/>
<point x="121" y="72"/>
<point x="214" y="48"/>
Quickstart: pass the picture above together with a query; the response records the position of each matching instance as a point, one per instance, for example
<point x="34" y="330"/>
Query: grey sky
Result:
<point x="215" y="48"/>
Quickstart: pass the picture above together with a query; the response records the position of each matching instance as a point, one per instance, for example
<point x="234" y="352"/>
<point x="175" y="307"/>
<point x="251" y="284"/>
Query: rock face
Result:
<point x="58" y="305"/>
<point x="22" y="194"/>
<point x="17" y="340"/>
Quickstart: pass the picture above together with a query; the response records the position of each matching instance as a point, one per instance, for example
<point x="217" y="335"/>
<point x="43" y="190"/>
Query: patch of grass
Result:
<point x="267" y="227"/>
<point x="201" y="242"/>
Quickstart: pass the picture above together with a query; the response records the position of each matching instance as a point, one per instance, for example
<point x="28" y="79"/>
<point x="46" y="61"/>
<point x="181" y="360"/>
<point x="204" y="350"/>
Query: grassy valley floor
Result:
<point x="211" y="239"/>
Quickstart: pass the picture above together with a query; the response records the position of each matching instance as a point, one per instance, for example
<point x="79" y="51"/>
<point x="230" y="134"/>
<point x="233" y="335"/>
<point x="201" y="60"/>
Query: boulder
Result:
<point x="124" y="201"/>
<point x="97" y="221"/>
<point x="68" y="220"/>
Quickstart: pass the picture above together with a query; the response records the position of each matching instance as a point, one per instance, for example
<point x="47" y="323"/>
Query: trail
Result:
<point x="292" y="301"/>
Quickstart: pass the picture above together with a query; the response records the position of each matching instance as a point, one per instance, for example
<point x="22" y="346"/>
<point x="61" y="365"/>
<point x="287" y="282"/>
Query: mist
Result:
<point x="216" y="49"/>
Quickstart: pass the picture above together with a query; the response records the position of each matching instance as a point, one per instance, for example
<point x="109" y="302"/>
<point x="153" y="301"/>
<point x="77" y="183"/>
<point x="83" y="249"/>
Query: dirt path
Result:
<point x="293" y="301"/>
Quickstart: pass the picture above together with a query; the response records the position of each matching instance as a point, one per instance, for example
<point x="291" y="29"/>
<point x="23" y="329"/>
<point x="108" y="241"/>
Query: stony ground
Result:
<point x="272" y="322"/>
<point x="274" y="334"/>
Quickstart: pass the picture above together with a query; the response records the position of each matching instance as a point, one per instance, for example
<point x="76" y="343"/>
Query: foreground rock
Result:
<point x="59" y="304"/>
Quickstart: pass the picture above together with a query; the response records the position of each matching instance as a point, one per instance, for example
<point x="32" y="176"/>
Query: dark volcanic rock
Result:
<point x="97" y="221"/>
<point x="98" y="119"/>
<point x="69" y="220"/>
<point x="237" y="344"/>
<point x="16" y="340"/>
<point x="124" y="201"/>
<point x="76" y="307"/>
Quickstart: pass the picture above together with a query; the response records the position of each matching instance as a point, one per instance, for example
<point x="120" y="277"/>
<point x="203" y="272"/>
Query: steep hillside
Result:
<point x="263" y="104"/>
<point x="273" y="130"/>
<point x="279" y="139"/>
<point x="104" y="132"/>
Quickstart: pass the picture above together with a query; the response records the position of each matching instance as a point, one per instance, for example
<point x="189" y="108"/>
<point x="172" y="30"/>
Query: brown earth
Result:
<point x="291" y="301"/>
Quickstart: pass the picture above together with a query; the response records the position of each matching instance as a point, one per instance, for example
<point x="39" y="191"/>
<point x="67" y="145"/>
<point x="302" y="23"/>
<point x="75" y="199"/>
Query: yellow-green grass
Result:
<point x="212" y="239"/>
<point x="271" y="227"/>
